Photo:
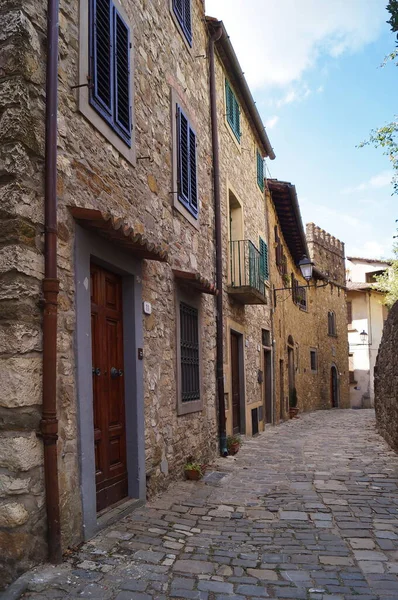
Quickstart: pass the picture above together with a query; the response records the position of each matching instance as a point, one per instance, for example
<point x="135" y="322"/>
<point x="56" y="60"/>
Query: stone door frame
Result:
<point x="92" y="248"/>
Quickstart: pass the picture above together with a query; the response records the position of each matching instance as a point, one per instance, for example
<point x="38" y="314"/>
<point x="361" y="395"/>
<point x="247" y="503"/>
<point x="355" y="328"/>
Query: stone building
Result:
<point x="136" y="229"/>
<point x="243" y="145"/>
<point x="309" y="323"/>
<point x="366" y="315"/>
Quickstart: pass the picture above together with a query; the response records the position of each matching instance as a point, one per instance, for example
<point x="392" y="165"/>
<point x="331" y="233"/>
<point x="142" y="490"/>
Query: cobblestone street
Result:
<point x="307" y="510"/>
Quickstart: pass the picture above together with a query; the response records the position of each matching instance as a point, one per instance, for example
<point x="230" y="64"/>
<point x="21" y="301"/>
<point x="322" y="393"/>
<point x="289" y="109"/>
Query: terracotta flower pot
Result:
<point x="234" y="448"/>
<point x="193" y="475"/>
<point x="293" y="412"/>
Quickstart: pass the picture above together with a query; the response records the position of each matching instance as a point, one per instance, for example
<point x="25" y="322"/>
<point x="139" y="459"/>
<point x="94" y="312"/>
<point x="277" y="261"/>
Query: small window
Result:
<point x="299" y="293"/>
<point x="266" y="337"/>
<point x="183" y="12"/>
<point x="110" y="77"/>
<point x="187" y="168"/>
<point x="313" y="360"/>
<point x="233" y="111"/>
<point x="260" y="171"/>
<point x="264" y="270"/>
<point x="189" y="346"/>
<point x="349" y="312"/>
<point x="371" y="277"/>
<point x="351" y="368"/>
<point x="332" y="323"/>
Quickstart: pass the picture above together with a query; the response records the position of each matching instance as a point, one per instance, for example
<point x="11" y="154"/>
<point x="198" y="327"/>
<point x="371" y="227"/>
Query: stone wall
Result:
<point x="92" y="174"/>
<point x="308" y="330"/>
<point x="386" y="381"/>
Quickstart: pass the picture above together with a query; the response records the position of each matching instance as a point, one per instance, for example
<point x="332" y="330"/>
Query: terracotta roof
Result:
<point x="284" y="197"/>
<point x="360" y="286"/>
<point x="370" y="260"/>
<point x="120" y="232"/>
<point x="196" y="280"/>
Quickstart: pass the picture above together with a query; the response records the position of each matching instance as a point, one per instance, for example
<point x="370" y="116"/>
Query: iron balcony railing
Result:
<point x="245" y="266"/>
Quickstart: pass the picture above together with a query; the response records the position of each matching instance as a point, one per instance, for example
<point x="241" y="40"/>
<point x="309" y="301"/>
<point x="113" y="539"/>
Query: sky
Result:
<point x="313" y="67"/>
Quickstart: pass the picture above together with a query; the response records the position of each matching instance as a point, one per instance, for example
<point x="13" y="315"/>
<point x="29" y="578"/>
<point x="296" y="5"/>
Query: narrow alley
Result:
<point x="308" y="510"/>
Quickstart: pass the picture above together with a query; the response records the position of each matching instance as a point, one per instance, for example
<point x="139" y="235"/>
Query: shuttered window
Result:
<point x="189" y="345"/>
<point x="260" y="171"/>
<point x="233" y="111"/>
<point x="110" y="90"/>
<point x="332" y="323"/>
<point x="187" y="167"/>
<point x="349" y="312"/>
<point x="264" y="271"/>
<point x="182" y="10"/>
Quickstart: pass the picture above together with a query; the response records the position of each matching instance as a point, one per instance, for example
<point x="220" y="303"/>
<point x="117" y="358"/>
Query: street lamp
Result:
<point x="306" y="267"/>
<point x="363" y="335"/>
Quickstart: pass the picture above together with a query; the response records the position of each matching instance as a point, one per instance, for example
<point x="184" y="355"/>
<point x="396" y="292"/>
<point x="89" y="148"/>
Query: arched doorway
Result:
<point x="334" y="387"/>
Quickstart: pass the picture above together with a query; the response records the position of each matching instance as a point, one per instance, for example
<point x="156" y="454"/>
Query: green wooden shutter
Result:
<point x="264" y="271"/>
<point x="233" y="110"/>
<point x="260" y="171"/>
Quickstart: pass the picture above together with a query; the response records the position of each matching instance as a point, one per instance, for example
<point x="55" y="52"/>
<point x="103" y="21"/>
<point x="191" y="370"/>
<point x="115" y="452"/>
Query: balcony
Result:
<point x="246" y="282"/>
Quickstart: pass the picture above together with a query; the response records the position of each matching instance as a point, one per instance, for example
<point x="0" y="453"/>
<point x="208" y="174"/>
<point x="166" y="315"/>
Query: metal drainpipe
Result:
<point x="49" y="422"/>
<point x="273" y="308"/>
<point x="219" y="273"/>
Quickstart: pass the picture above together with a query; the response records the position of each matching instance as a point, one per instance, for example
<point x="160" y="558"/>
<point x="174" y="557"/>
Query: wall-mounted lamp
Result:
<point x="363" y="336"/>
<point x="306" y="268"/>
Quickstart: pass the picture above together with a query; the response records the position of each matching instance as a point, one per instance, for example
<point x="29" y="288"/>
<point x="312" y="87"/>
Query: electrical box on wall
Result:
<point x="147" y="308"/>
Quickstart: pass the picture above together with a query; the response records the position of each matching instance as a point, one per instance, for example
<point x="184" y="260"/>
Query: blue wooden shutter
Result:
<point x="264" y="272"/>
<point x="188" y="21"/>
<point x="178" y="7"/>
<point x="260" y="171"/>
<point x="193" y="184"/>
<point x="122" y="77"/>
<point x="183" y="157"/>
<point x="101" y="56"/>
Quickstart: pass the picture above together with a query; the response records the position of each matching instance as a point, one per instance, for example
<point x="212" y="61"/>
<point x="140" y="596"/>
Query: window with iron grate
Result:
<point x="332" y="323"/>
<point x="183" y="12"/>
<point x="233" y="111"/>
<point x="260" y="171"/>
<point x="187" y="167"/>
<point x="110" y="77"/>
<point x="189" y="346"/>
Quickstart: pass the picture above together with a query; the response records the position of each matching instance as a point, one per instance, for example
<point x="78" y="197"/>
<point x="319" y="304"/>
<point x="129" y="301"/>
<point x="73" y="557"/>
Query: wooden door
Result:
<point x="267" y="387"/>
<point x="281" y="390"/>
<point x="108" y="387"/>
<point x="235" y="383"/>
<point x="334" y="391"/>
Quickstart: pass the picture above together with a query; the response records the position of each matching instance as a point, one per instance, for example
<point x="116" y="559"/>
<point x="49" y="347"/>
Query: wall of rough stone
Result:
<point x="386" y="380"/>
<point x="309" y="330"/>
<point x="92" y="174"/>
<point x="238" y="173"/>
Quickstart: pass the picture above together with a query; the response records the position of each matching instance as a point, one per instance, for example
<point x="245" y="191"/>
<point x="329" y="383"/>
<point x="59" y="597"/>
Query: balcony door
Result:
<point x="236" y="383"/>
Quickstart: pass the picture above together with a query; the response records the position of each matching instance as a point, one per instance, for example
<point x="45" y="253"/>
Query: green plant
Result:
<point x="232" y="440"/>
<point x="286" y="280"/>
<point x="193" y="466"/>
<point x="293" y="398"/>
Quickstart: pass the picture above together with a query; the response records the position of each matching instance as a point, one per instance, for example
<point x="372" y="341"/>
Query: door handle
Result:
<point x="116" y="373"/>
<point x="96" y="371"/>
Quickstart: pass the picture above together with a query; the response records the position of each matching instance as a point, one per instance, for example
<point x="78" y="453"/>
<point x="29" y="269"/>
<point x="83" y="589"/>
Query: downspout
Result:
<point x="49" y="422"/>
<point x="273" y="308"/>
<point x="219" y="271"/>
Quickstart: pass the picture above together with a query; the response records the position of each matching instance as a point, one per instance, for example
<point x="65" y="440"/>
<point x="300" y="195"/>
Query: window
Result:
<point x="280" y="258"/>
<point x="260" y="171"/>
<point x="299" y="293"/>
<point x="233" y="111"/>
<point x="331" y="323"/>
<point x="188" y="353"/>
<point x="110" y="78"/>
<point x="266" y="337"/>
<point x="371" y="277"/>
<point x="349" y="312"/>
<point x="313" y="361"/>
<point x="182" y="11"/>
<point x="264" y="271"/>
<point x="186" y="164"/>
<point x="351" y="368"/>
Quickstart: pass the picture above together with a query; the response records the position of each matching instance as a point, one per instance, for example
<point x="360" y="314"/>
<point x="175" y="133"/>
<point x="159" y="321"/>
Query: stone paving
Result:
<point x="307" y="510"/>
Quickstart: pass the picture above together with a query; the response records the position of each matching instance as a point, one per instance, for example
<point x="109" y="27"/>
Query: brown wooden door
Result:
<point x="334" y="392"/>
<point x="108" y="387"/>
<point x="235" y="383"/>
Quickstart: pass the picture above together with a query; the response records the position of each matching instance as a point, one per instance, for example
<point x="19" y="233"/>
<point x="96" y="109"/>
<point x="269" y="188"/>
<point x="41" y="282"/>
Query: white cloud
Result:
<point x="371" y="249"/>
<point x="277" y="41"/>
<point x="294" y="94"/>
<point x="270" y="124"/>
<point x="383" y="179"/>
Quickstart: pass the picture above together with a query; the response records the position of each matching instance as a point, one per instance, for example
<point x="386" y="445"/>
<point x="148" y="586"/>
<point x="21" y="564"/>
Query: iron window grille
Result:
<point x="299" y="293"/>
<point x="260" y="171"/>
<point x="233" y="111"/>
<point x="313" y="360"/>
<point x="110" y="76"/>
<point x="187" y="180"/>
<point x="183" y="12"/>
<point x="332" y="323"/>
<point x="189" y="344"/>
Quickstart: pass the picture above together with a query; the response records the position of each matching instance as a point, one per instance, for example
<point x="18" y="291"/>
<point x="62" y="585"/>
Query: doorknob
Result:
<point x="96" y="371"/>
<point x="116" y="373"/>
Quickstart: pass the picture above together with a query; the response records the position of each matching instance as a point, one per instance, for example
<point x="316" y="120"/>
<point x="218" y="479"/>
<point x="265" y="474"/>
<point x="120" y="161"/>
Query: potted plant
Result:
<point x="233" y="444"/>
<point x="193" y="471"/>
<point x="293" y="409"/>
